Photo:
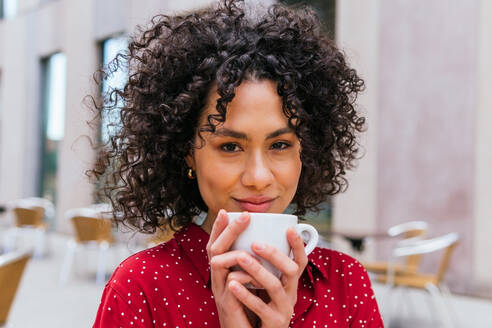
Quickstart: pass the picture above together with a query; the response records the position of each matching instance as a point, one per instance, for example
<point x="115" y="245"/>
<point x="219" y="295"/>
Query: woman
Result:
<point x="226" y="111"/>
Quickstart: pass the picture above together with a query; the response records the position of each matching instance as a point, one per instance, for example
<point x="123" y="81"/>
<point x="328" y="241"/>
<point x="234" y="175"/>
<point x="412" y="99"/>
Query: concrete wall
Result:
<point x="429" y="105"/>
<point x="427" y="97"/>
<point x="482" y="207"/>
<point x="362" y="50"/>
<point x="14" y="82"/>
<point x="75" y="154"/>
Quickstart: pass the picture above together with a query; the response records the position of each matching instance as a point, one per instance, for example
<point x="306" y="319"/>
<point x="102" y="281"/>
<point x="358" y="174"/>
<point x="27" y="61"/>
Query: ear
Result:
<point x="190" y="160"/>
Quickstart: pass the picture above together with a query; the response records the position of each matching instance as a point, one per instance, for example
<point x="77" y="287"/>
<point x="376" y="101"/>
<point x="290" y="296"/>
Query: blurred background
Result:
<point x="427" y="155"/>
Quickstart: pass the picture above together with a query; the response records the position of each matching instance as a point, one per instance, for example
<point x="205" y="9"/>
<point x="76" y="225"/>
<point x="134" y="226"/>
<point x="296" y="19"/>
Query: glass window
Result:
<point x="110" y="122"/>
<point x="53" y="114"/>
<point x="115" y="79"/>
<point x="56" y="97"/>
<point x="8" y="8"/>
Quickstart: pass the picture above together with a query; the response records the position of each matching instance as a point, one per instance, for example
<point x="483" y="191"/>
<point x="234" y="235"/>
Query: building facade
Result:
<point x="428" y="102"/>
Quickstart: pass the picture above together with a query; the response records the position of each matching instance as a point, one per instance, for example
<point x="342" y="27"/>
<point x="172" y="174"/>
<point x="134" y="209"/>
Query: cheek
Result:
<point x="215" y="180"/>
<point x="296" y="173"/>
<point x="288" y="176"/>
<point x="210" y="184"/>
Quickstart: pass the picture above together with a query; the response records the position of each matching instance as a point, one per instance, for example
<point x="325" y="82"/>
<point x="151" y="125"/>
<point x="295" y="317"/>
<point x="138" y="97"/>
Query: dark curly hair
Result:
<point x="173" y="65"/>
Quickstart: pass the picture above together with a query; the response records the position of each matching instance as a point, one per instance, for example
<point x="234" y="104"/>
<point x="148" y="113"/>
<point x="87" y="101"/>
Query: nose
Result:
<point x="257" y="172"/>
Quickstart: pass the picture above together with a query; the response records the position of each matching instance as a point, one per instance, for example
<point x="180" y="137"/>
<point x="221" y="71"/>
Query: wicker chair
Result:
<point x="11" y="269"/>
<point x="410" y="232"/>
<point x="29" y="219"/>
<point x="430" y="282"/>
<point x="92" y="228"/>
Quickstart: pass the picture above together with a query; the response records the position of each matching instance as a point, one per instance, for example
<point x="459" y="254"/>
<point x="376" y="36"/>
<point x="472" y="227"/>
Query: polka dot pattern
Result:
<point x="169" y="286"/>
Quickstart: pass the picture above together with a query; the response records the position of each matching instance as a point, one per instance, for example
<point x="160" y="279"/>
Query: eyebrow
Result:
<point x="225" y="132"/>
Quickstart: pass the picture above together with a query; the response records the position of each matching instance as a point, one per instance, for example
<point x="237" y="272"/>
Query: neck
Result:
<point x="208" y="223"/>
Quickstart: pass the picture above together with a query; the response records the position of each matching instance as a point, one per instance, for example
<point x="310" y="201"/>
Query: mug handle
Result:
<point x="312" y="240"/>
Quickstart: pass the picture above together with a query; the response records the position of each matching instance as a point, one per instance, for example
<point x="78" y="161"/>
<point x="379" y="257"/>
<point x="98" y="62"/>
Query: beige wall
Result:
<point x="353" y="17"/>
<point x="76" y="156"/>
<point x="482" y="242"/>
<point x="429" y="142"/>
<point x="13" y="108"/>
<point x="428" y="97"/>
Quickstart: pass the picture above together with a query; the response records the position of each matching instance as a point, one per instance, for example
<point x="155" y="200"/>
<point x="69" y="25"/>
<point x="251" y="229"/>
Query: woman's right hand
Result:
<point x="231" y="311"/>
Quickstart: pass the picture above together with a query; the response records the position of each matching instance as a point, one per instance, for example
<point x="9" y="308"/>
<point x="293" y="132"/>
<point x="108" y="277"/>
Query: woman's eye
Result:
<point x="230" y="147"/>
<point x="280" y="145"/>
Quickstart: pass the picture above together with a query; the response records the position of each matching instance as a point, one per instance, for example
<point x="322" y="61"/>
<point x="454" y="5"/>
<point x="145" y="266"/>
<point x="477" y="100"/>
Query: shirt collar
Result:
<point x="193" y="242"/>
<point x="305" y="293"/>
<point x="317" y="262"/>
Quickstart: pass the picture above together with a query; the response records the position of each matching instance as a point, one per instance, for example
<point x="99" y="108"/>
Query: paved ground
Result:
<point x="43" y="302"/>
<point x="415" y="309"/>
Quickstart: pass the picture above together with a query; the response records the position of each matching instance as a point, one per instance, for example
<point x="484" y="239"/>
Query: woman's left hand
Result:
<point x="283" y="293"/>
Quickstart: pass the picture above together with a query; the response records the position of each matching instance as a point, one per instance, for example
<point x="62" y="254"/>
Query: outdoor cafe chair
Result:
<point x="433" y="283"/>
<point x="30" y="214"/>
<point x="92" y="227"/>
<point x="410" y="232"/>
<point x="12" y="266"/>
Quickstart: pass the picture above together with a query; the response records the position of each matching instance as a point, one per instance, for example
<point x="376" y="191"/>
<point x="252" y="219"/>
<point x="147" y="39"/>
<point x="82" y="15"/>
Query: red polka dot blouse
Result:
<point x="168" y="286"/>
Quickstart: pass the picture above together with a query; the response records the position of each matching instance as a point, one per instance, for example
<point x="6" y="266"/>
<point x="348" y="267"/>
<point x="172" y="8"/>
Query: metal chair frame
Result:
<point x="432" y="283"/>
<point x="92" y="228"/>
<point x="29" y="214"/>
<point x="411" y="232"/>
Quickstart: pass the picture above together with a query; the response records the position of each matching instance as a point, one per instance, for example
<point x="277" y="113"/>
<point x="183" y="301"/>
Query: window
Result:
<point x="53" y="118"/>
<point x="8" y="8"/>
<point x="110" y="122"/>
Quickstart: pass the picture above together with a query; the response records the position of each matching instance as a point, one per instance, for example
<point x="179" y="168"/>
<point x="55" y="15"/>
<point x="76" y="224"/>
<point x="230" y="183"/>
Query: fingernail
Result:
<point x="296" y="235"/>
<point x="234" y="286"/>
<point x="259" y="246"/>
<point x="243" y="217"/>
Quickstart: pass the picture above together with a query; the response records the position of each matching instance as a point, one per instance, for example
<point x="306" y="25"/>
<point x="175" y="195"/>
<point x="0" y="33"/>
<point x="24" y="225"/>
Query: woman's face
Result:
<point x="252" y="161"/>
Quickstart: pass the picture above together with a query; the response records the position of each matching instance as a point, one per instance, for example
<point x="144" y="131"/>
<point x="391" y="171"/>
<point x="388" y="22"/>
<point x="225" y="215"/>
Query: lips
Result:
<point x="255" y="204"/>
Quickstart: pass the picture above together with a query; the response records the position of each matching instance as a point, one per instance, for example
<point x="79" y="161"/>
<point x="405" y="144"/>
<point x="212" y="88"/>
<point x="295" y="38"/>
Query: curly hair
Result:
<point x="173" y="65"/>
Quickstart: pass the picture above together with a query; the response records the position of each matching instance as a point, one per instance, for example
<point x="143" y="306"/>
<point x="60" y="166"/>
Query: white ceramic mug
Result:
<point x="271" y="229"/>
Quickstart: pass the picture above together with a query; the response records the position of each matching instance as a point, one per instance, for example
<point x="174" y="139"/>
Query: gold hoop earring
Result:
<point x="191" y="174"/>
